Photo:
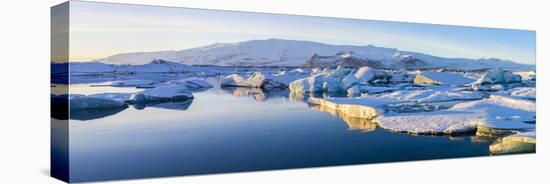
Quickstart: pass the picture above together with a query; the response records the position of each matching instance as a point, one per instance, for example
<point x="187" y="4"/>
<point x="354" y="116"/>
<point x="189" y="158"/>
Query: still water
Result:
<point x="240" y="129"/>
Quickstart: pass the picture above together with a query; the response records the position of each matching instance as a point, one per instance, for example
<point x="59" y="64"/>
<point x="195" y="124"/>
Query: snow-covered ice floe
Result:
<point x="170" y="92"/>
<point x="354" y="123"/>
<point x="433" y="95"/>
<point x="192" y="84"/>
<point x="310" y="84"/>
<point x="262" y="80"/>
<point x="339" y="80"/>
<point x="360" y="107"/>
<point x="524" y="142"/>
<point x="367" y="74"/>
<point x="498" y="76"/>
<point x="163" y="93"/>
<point x="97" y="101"/>
<point x="524" y="92"/>
<point x="493" y="113"/>
<point x="442" y="78"/>
<point x="130" y="83"/>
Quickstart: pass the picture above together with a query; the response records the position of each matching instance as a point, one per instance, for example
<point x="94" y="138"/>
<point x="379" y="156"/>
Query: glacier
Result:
<point x="280" y="52"/>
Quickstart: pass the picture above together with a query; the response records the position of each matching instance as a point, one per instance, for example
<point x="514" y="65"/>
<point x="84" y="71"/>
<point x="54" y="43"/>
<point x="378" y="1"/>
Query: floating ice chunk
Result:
<point x="339" y="80"/>
<point x="438" y="122"/>
<point x="360" y="107"/>
<point x="354" y="91"/>
<point x="341" y="72"/>
<point x="441" y="78"/>
<point x="258" y="80"/>
<point x="197" y="84"/>
<point x="524" y="92"/>
<point x="433" y="95"/>
<point x="162" y="94"/>
<point x="495" y="112"/>
<point x="281" y="80"/>
<point x="498" y="76"/>
<point x="333" y="85"/>
<point x="524" y="142"/>
<point x="234" y="80"/>
<point x="353" y="123"/>
<point x="401" y="76"/>
<point x="349" y="81"/>
<point x="527" y="75"/>
<point x="367" y="74"/>
<point x="133" y="82"/>
<point x="499" y="112"/>
<point x="490" y="87"/>
<point x="111" y="100"/>
<point x="310" y="84"/>
<point x="299" y="71"/>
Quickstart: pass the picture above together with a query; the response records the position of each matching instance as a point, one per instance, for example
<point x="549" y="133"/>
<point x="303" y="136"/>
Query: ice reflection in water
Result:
<point x="240" y="129"/>
<point x="256" y="93"/>
<point x="359" y="124"/>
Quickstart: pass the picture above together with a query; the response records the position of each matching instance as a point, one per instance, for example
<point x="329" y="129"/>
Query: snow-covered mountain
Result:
<point x="279" y="52"/>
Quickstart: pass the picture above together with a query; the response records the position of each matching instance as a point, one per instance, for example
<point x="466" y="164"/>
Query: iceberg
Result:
<point x="163" y="94"/>
<point x="257" y="80"/>
<point x="192" y="84"/>
<point x="442" y="78"/>
<point x="235" y="80"/>
<point x="98" y="101"/>
<point x="360" y="107"/>
<point x="524" y="92"/>
<point x="354" y="91"/>
<point x="349" y="81"/>
<point x="367" y="75"/>
<point x="131" y="83"/>
<point x="527" y="75"/>
<point x="498" y="76"/>
<point x="333" y="85"/>
<point x="401" y="76"/>
<point x="339" y="80"/>
<point x="309" y="84"/>
<point x="524" y="142"/>
<point x="197" y="84"/>
<point x="360" y="124"/>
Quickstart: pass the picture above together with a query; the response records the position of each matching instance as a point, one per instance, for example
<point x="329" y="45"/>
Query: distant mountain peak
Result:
<point x="282" y="52"/>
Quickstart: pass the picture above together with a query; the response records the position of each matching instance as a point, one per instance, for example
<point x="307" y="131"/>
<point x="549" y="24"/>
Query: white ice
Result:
<point x="109" y="100"/>
<point x="442" y="78"/>
<point x="496" y="112"/>
<point x="433" y="95"/>
<point x="163" y="93"/>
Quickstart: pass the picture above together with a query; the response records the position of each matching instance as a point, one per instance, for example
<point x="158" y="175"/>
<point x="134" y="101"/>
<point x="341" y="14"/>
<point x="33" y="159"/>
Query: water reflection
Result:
<point x="91" y="114"/>
<point x="256" y="93"/>
<point x="359" y="124"/>
<point x="182" y="105"/>
<point x="60" y="109"/>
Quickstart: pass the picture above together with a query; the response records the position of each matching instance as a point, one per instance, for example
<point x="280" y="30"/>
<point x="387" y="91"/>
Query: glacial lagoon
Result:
<point x="237" y="129"/>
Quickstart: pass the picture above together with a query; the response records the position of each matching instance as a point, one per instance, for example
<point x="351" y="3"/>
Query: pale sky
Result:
<point x="98" y="30"/>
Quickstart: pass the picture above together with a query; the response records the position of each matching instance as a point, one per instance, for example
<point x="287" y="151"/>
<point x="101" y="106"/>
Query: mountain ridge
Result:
<point x="281" y="52"/>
